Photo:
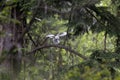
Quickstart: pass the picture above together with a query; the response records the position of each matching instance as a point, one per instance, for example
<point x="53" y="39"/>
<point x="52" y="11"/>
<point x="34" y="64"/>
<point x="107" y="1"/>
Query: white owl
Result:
<point x="56" y="38"/>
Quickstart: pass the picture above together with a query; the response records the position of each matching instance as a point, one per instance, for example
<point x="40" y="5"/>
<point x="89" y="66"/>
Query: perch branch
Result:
<point x="61" y="47"/>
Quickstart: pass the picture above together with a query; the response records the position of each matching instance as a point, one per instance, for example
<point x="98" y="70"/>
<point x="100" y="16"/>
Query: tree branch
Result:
<point x="31" y="21"/>
<point x="94" y="16"/>
<point x="61" y="47"/>
<point x="30" y="37"/>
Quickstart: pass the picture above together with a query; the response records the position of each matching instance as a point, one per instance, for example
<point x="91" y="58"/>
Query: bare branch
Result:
<point x="61" y="47"/>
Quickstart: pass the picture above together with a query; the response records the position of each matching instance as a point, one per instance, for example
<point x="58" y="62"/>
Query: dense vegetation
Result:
<point x="89" y="51"/>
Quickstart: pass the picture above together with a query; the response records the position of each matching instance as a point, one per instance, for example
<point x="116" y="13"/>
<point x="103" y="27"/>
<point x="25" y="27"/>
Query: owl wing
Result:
<point x="50" y="36"/>
<point x="63" y="34"/>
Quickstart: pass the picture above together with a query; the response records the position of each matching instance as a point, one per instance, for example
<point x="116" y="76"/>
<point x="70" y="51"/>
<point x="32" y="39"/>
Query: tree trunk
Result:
<point x="10" y="45"/>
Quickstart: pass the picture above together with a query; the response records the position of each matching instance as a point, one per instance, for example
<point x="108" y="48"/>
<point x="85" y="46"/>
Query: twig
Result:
<point x="30" y="37"/>
<point x="105" y="39"/>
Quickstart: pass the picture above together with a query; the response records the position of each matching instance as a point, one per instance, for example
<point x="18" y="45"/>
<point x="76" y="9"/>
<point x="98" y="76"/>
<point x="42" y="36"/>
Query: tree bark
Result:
<point x="10" y="45"/>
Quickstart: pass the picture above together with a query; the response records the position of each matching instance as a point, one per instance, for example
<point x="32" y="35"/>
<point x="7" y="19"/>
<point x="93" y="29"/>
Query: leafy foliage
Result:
<point x="92" y="28"/>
